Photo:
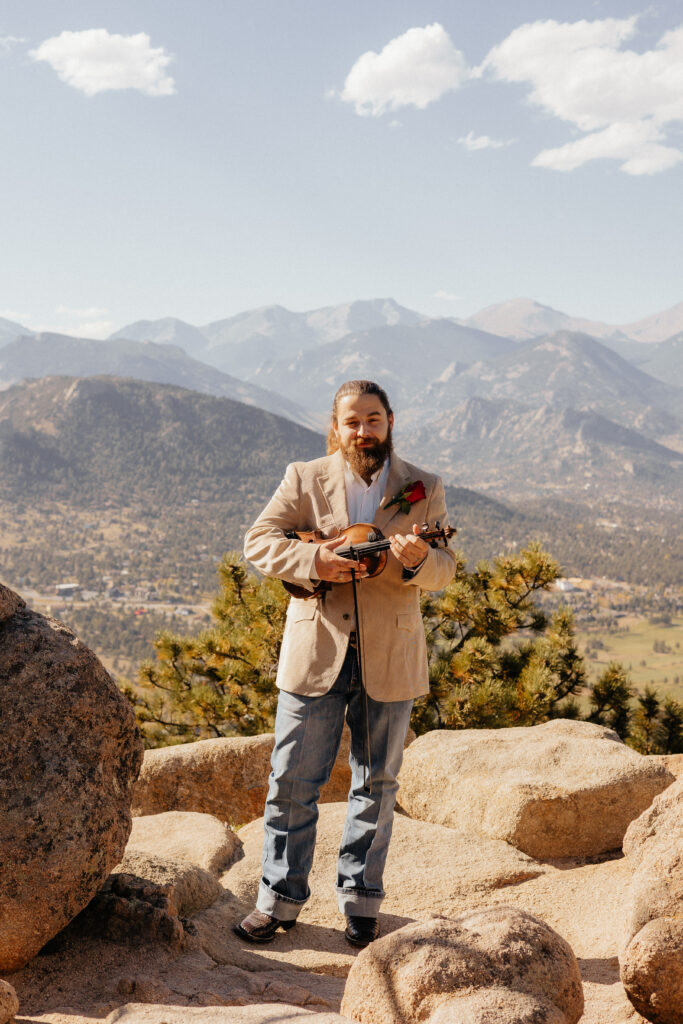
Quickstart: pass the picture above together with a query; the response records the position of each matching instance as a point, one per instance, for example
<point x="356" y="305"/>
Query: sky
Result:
<point x="200" y="160"/>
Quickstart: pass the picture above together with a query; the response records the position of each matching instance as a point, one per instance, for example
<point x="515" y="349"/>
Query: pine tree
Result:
<point x="672" y="726"/>
<point x="222" y="681"/>
<point x="611" y="699"/>
<point x="495" y="658"/>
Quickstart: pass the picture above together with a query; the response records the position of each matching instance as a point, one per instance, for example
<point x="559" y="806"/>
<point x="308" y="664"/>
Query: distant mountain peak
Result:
<point x="522" y="319"/>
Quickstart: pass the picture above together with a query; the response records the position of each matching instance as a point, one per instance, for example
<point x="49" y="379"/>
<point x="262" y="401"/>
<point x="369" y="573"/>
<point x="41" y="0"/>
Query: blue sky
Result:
<point x="196" y="161"/>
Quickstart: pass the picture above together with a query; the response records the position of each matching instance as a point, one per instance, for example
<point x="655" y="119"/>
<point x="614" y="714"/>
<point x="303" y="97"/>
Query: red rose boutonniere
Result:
<point x="408" y="495"/>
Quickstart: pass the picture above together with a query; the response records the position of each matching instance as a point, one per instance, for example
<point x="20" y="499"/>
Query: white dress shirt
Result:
<point x="363" y="499"/>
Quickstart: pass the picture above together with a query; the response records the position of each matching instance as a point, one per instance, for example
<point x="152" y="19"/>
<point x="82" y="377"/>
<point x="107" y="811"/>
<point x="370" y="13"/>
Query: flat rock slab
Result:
<point x="307" y="966"/>
<point x="199" y="839"/>
<point x="563" y="789"/>
<point x="430" y="868"/>
<point x="263" y="1013"/>
<point x="69" y="756"/>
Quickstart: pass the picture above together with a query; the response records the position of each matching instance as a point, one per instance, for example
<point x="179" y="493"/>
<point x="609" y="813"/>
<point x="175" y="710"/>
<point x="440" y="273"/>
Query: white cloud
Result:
<point x="11" y="314"/>
<point x="7" y="42"/>
<point x="96" y="60"/>
<point x="89" y="312"/>
<point x="447" y="296"/>
<point x="579" y="73"/>
<point x="474" y="142"/>
<point x="414" y="69"/>
<point x="99" y="329"/>
<point x="636" y="144"/>
<point x="96" y="329"/>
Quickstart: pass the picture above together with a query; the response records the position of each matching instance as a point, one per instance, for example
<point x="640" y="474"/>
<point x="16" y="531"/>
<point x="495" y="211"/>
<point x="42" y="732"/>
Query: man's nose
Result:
<point x="363" y="430"/>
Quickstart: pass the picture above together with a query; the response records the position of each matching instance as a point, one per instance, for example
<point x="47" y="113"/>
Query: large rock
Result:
<point x="224" y="777"/>
<point x="561" y="789"/>
<point x="9" y="1004"/>
<point x="227" y="778"/>
<point x="181" y="854"/>
<point x="187" y="836"/>
<point x="187" y="887"/>
<point x="672" y="762"/>
<point x="484" y="962"/>
<point x="68" y="760"/>
<point x="651" y="957"/>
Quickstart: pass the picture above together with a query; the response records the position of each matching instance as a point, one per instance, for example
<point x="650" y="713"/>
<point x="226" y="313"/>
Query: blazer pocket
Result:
<point x="407" y="621"/>
<point x="300" y="610"/>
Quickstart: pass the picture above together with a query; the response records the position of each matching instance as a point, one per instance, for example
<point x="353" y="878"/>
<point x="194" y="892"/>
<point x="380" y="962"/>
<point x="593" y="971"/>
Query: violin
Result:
<point x="367" y="546"/>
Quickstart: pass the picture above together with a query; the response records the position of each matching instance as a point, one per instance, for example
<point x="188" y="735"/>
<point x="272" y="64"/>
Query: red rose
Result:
<point x="415" y="492"/>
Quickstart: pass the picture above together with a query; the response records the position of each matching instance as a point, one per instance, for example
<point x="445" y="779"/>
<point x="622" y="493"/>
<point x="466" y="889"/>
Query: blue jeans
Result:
<point x="307" y="737"/>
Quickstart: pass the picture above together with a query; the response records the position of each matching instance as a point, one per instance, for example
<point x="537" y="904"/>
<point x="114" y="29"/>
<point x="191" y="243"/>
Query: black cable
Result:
<point x="365" y="716"/>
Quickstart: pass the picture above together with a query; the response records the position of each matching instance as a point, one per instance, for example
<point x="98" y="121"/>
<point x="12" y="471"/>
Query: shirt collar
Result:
<point x="351" y="476"/>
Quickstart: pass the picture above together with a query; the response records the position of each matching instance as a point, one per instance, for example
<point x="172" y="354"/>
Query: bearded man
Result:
<point x="360" y="480"/>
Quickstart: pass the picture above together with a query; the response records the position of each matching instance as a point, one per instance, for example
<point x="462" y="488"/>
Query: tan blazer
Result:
<point x="312" y="495"/>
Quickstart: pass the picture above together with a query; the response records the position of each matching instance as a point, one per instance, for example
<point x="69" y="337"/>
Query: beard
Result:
<point x="367" y="460"/>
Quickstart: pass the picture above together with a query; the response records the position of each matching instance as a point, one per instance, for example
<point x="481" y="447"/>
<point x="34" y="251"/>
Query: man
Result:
<point x="362" y="480"/>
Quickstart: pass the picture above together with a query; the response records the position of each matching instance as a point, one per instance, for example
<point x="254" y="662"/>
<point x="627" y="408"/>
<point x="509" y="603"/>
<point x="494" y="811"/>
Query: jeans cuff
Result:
<point x="281" y="907"/>
<point x="359" y="902"/>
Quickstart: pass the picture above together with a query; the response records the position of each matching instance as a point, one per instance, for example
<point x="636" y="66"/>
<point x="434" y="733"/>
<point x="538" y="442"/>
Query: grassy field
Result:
<point x="633" y="644"/>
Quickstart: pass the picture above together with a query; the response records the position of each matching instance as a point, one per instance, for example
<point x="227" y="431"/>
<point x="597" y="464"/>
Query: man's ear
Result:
<point x="391" y="420"/>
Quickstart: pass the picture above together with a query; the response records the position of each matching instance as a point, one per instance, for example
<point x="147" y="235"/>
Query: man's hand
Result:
<point x="411" y="551"/>
<point x="334" y="568"/>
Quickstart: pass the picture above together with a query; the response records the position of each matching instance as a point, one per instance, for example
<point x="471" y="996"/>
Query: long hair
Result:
<point x="354" y="387"/>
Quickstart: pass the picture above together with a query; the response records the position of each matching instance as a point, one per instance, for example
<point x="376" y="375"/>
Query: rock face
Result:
<point x="558" y="790"/>
<point x="9" y="1004"/>
<point x="9" y="603"/>
<point x="187" y="836"/>
<point x="224" y="777"/>
<point x="493" y="964"/>
<point x="182" y="854"/>
<point x="651" y="957"/>
<point x="672" y="762"/>
<point x="227" y="778"/>
<point x="68" y="760"/>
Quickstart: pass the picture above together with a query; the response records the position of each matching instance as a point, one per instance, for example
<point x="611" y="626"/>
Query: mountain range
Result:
<point x="46" y="354"/>
<point x="523" y="319"/>
<point x="510" y="448"/>
<point x="146" y="481"/>
<point x="100" y="440"/>
<point x="595" y="403"/>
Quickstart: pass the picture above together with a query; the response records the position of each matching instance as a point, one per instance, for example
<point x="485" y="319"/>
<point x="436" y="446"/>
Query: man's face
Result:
<point x="363" y="431"/>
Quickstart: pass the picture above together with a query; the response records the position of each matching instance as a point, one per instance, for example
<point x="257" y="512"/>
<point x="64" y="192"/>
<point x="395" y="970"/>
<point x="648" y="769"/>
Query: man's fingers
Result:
<point x="334" y="543"/>
<point x="409" y="549"/>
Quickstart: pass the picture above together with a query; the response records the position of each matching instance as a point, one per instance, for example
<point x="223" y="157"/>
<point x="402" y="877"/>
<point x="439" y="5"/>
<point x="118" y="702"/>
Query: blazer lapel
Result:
<point x="397" y="479"/>
<point x="334" y="488"/>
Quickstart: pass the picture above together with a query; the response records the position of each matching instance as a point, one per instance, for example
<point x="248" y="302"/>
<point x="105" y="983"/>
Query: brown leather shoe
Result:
<point x="361" y="931"/>
<point x="258" y="927"/>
